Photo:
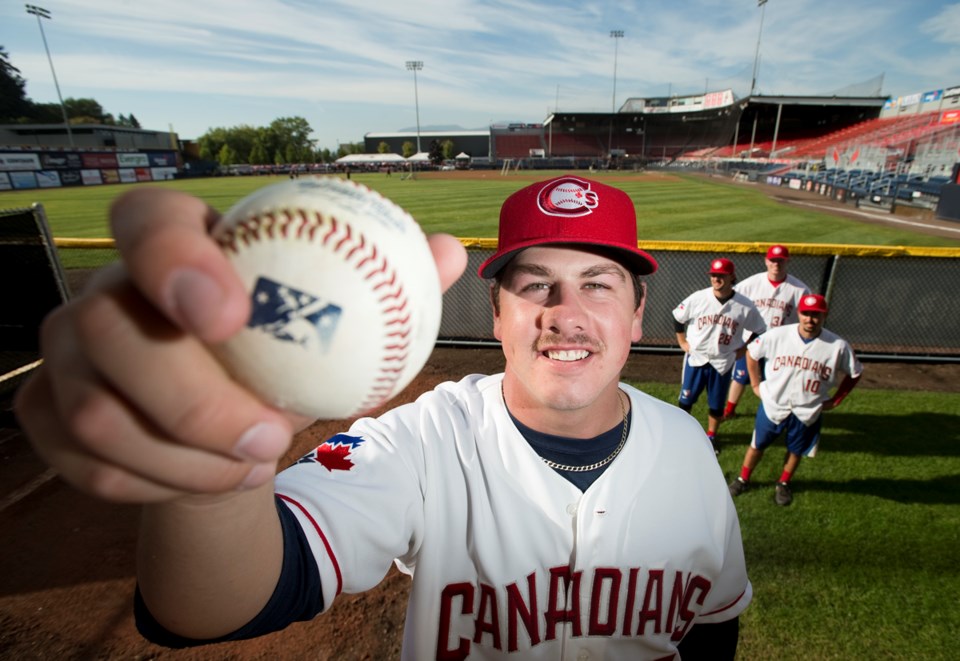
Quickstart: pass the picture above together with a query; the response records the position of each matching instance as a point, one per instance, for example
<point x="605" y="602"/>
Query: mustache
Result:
<point x="580" y="340"/>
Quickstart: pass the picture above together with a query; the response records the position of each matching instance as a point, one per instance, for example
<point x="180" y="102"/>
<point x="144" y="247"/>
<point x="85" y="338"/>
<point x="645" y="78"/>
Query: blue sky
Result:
<point x="340" y="64"/>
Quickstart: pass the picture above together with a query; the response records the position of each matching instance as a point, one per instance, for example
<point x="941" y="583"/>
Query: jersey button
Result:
<point x="572" y="509"/>
<point x="583" y="655"/>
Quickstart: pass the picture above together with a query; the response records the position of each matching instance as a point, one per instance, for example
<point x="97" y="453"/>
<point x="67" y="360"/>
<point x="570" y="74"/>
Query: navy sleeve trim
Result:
<point x="711" y="642"/>
<point x="297" y="597"/>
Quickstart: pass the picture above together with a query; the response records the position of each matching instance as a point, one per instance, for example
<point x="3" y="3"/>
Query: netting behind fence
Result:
<point x="884" y="300"/>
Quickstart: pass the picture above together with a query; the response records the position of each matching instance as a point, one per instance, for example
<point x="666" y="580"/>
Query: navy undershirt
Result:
<point x="574" y="451"/>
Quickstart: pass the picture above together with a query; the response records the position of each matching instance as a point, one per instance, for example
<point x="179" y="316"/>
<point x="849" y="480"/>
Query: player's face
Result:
<point x="811" y="323"/>
<point x="566" y="321"/>
<point x="776" y="269"/>
<point x="722" y="284"/>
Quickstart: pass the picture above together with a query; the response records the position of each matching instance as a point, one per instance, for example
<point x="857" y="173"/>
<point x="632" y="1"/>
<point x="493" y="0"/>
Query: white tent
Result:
<point x="358" y="159"/>
<point x="420" y="157"/>
<point x="463" y="156"/>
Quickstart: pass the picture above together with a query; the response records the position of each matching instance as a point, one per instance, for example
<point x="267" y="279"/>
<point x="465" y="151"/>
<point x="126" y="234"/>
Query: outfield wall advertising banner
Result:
<point x="163" y="174"/>
<point x="90" y="177"/>
<point x="133" y="160"/>
<point x="162" y="159"/>
<point x="143" y="174"/>
<point x="48" y="179"/>
<point x="127" y="175"/>
<point x="110" y="176"/>
<point x="71" y="178"/>
<point x="23" y="180"/>
<point x="61" y="161"/>
<point x="93" y="161"/>
<point x="11" y="162"/>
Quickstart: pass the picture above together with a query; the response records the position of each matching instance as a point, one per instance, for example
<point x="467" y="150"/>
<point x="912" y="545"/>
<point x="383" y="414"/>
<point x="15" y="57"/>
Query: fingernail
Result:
<point x="195" y="298"/>
<point x="259" y="475"/>
<point x="264" y="441"/>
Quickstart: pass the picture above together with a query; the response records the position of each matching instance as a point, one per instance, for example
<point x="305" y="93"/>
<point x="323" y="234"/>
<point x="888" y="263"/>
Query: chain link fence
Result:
<point x="888" y="302"/>
<point x="891" y="303"/>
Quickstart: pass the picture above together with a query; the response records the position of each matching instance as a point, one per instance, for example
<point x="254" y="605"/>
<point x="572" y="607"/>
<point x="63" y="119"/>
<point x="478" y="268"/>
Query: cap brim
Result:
<point x="639" y="262"/>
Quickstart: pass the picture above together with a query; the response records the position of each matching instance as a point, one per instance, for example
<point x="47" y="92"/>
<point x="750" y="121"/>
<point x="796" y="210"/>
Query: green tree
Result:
<point x="259" y="154"/>
<point x="226" y="156"/>
<point x="409" y="149"/>
<point x="14" y="104"/>
<point x="86" y="111"/>
<point x="436" y="153"/>
<point x="383" y="147"/>
<point x="447" y="147"/>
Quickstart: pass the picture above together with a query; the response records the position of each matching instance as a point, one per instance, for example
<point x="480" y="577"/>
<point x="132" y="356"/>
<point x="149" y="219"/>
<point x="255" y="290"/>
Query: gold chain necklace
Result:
<point x="597" y="464"/>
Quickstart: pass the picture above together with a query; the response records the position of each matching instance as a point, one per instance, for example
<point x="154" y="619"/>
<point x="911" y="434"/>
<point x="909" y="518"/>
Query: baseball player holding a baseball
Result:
<point x="776" y="294"/>
<point x="713" y="326"/>
<point x="803" y="363"/>
<point x="547" y="512"/>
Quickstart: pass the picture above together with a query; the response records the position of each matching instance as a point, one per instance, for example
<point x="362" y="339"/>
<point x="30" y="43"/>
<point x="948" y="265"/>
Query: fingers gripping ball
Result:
<point x="344" y="293"/>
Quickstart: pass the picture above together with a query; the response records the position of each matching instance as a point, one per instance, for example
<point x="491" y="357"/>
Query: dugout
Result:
<point x="34" y="284"/>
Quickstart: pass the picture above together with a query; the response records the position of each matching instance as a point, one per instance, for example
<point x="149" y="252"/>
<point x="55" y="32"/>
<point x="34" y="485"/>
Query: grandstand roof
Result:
<point x="860" y="101"/>
<point x="426" y="134"/>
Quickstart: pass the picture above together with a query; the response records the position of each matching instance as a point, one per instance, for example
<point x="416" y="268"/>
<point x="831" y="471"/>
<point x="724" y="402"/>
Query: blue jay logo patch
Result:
<point x="291" y="315"/>
<point x="334" y="453"/>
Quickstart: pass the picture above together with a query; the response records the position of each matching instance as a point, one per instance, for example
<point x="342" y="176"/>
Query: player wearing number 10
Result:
<point x="713" y="326"/>
<point x="803" y="362"/>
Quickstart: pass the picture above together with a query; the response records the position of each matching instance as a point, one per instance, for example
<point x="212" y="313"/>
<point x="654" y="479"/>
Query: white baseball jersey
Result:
<point x="798" y="375"/>
<point x="508" y="558"/>
<point x="776" y="304"/>
<point x="716" y="330"/>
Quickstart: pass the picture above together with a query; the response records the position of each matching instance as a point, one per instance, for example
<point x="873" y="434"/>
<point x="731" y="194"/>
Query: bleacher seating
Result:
<point x="569" y="144"/>
<point x="516" y="145"/>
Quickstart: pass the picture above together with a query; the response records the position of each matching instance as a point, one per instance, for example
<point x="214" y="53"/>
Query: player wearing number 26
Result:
<point x="713" y="326"/>
<point x="803" y="362"/>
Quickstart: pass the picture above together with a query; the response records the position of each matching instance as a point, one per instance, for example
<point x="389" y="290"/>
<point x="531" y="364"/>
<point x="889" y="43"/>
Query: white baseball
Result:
<point x="345" y="296"/>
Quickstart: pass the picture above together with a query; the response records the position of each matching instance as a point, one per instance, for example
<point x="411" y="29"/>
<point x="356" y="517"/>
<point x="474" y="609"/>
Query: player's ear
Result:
<point x="494" y="294"/>
<point x="636" y="333"/>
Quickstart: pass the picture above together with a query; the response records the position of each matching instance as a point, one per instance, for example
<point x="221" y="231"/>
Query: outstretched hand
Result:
<point x="129" y="404"/>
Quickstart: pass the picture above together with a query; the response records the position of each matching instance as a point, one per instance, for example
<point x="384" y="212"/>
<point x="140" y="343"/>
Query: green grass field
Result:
<point x="864" y="564"/>
<point x="676" y="208"/>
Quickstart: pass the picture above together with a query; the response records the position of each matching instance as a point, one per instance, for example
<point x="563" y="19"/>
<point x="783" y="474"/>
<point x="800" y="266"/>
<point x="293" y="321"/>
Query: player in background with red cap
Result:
<point x="776" y="294"/>
<point x="713" y="326"/>
<point x="549" y="511"/>
<point x="803" y="362"/>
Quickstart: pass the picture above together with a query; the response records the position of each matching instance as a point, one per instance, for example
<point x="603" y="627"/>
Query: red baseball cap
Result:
<point x="778" y="252"/>
<point x="721" y="265"/>
<point x="569" y="210"/>
<point x="812" y="303"/>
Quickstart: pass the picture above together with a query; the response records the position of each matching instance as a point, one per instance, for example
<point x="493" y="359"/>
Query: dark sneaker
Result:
<point x="737" y="487"/>
<point x="716" y="445"/>
<point x="783" y="496"/>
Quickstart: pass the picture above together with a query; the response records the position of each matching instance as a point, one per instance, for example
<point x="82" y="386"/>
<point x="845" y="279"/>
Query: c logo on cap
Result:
<point x="567" y="197"/>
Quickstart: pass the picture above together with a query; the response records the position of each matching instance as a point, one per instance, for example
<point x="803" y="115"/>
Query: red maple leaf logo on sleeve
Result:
<point x="334" y="453"/>
<point x="334" y="458"/>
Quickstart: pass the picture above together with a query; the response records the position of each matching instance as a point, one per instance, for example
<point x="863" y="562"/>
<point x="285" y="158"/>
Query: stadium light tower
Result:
<point x="415" y="66"/>
<point x="616" y="35"/>
<point x="756" y="57"/>
<point x="40" y="13"/>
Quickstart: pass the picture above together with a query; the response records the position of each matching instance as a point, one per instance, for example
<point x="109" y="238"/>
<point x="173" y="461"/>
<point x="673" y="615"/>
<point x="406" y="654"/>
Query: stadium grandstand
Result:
<point x="855" y="139"/>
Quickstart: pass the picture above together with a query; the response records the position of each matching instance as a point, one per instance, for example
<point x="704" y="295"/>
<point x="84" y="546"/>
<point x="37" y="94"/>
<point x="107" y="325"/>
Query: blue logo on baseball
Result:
<point x="291" y="315"/>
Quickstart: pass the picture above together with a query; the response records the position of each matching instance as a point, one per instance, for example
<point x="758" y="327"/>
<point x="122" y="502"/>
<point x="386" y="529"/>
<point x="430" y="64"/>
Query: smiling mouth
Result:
<point x="568" y="356"/>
